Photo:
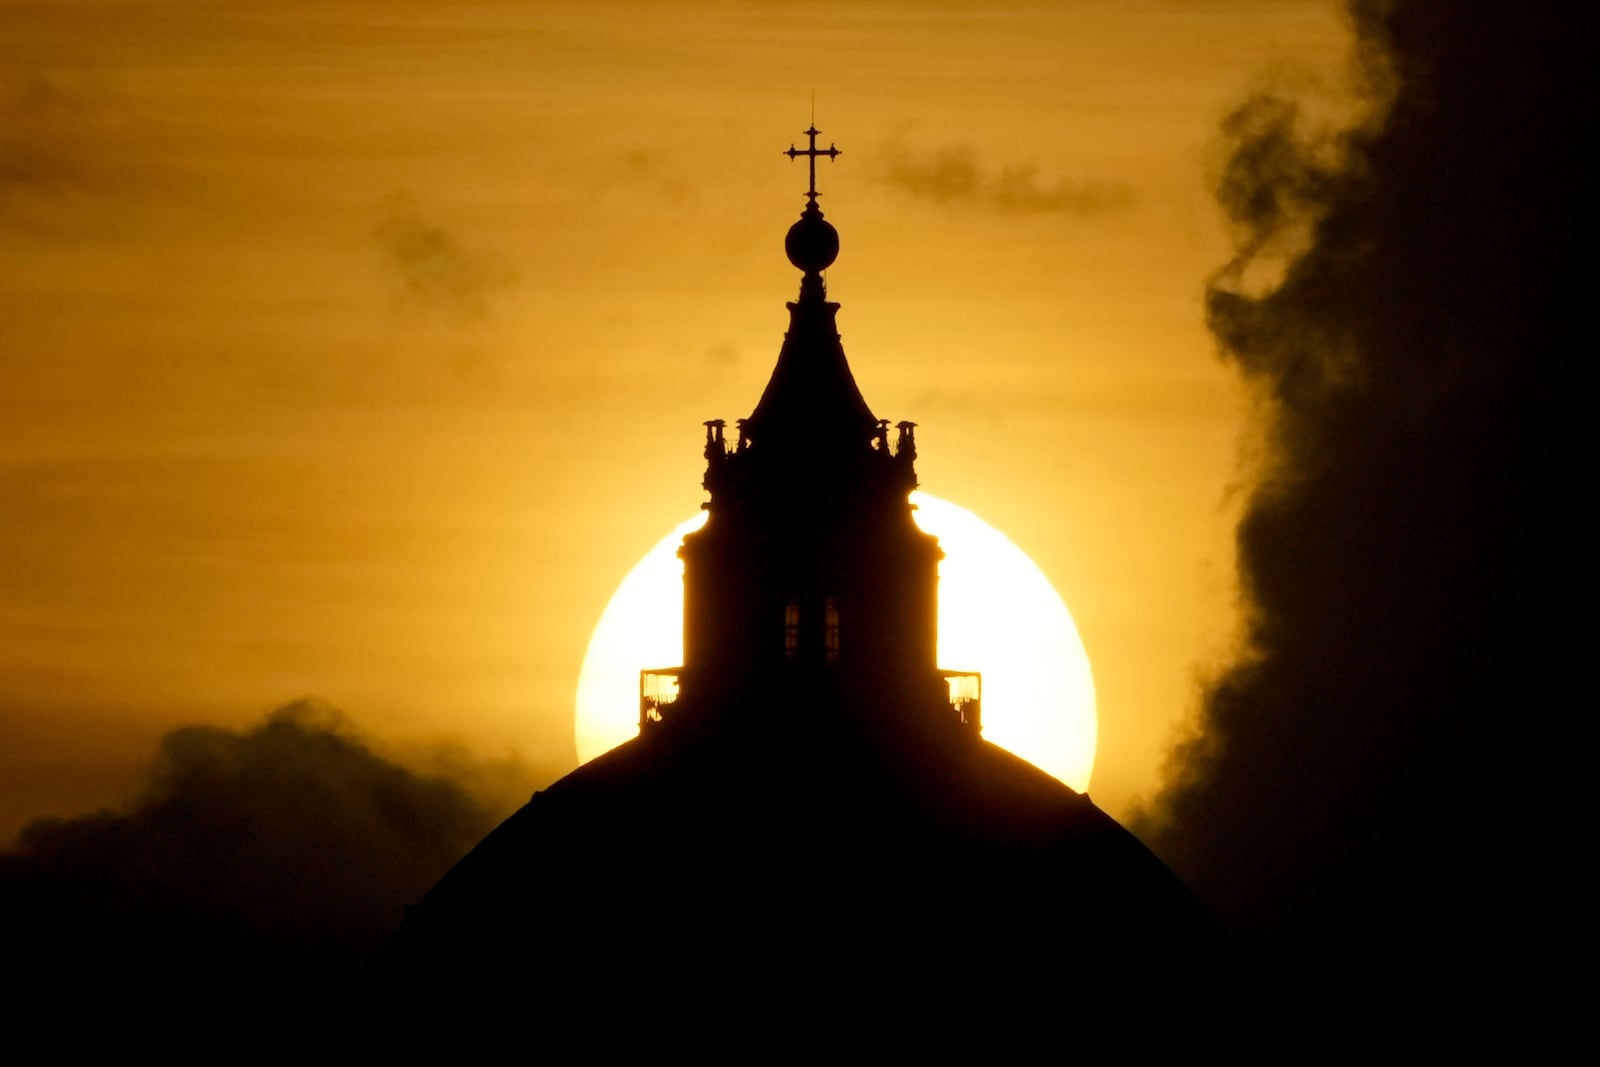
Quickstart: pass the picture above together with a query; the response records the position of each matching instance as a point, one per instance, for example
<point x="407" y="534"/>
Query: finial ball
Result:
<point x="812" y="243"/>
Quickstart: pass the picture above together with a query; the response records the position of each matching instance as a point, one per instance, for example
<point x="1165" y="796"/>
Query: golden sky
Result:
<point x="359" y="350"/>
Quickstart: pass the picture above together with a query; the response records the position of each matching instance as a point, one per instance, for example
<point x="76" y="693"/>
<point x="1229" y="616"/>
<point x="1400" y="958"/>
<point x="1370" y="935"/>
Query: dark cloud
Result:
<point x="437" y="275"/>
<point x="954" y="174"/>
<point x="1348" y="800"/>
<point x="40" y="124"/>
<point x="259" y="864"/>
<point x="66" y="141"/>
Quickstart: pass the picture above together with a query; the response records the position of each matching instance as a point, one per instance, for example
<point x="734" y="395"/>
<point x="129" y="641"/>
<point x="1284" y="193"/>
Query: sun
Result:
<point x="998" y="614"/>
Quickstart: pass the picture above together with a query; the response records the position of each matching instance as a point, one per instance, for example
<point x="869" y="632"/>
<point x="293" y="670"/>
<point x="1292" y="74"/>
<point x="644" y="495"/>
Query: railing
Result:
<point x="966" y="697"/>
<point x="658" y="688"/>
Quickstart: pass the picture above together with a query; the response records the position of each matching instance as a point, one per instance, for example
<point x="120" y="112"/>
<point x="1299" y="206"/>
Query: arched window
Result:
<point x="791" y="630"/>
<point x="830" y="630"/>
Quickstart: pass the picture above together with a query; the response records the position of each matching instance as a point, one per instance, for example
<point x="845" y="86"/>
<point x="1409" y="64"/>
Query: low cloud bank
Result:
<point x="259" y="864"/>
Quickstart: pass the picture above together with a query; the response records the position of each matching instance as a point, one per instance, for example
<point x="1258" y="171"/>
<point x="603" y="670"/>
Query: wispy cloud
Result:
<point x="434" y="271"/>
<point x="954" y="174"/>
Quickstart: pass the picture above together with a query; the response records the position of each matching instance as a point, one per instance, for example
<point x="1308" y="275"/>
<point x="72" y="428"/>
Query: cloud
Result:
<point x="434" y="272"/>
<point x="261" y="863"/>
<point x="39" y="121"/>
<point x="654" y="167"/>
<point x="65" y="141"/>
<point x="1342" y="800"/>
<point x="953" y="175"/>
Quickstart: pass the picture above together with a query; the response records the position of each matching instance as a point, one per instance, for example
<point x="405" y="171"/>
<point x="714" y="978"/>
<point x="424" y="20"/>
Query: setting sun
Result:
<point x="998" y="614"/>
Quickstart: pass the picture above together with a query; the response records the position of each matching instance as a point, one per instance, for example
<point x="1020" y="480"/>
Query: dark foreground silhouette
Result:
<point x="809" y="837"/>
<point x="803" y="879"/>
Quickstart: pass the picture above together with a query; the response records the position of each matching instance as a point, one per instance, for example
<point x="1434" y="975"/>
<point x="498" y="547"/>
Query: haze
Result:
<point x="357" y="353"/>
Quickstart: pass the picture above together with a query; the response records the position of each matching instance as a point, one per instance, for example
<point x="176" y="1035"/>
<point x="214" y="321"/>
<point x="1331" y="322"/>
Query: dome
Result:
<point x="735" y="868"/>
<point x="812" y="840"/>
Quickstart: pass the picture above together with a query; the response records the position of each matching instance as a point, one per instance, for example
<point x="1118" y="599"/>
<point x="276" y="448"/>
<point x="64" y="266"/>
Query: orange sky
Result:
<point x="359" y="350"/>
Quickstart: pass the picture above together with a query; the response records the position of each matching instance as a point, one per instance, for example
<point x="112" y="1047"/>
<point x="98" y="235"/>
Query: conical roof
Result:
<point x="812" y="397"/>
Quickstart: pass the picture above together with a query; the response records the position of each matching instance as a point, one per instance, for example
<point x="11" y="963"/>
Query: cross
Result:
<point x="813" y="152"/>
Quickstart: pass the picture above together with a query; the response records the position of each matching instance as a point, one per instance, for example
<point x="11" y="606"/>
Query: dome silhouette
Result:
<point x="809" y="830"/>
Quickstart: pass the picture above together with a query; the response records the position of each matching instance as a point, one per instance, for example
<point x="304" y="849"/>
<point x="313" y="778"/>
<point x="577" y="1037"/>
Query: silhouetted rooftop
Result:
<point x="812" y="828"/>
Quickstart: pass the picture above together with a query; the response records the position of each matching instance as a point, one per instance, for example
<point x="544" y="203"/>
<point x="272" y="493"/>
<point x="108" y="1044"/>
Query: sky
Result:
<point x="355" y="353"/>
<point x="350" y="359"/>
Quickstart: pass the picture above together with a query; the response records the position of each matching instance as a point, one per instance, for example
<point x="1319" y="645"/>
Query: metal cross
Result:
<point x="813" y="152"/>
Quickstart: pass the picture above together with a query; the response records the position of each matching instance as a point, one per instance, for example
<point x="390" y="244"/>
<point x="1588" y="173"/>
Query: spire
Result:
<point x="812" y="397"/>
